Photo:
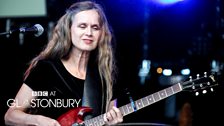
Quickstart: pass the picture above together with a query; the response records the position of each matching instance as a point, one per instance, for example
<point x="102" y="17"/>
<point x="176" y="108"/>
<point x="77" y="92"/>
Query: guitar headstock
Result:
<point x="200" y="84"/>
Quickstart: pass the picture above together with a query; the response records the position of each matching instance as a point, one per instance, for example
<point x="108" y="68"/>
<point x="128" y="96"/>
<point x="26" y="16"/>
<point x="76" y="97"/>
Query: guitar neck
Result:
<point x="150" y="99"/>
<point x="139" y="104"/>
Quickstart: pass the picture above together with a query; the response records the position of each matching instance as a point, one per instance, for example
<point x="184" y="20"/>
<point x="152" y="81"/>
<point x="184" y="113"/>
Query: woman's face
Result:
<point x="85" y="30"/>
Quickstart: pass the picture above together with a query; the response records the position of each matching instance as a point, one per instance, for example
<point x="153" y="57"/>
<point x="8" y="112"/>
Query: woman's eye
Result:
<point x="96" y="28"/>
<point x="82" y="26"/>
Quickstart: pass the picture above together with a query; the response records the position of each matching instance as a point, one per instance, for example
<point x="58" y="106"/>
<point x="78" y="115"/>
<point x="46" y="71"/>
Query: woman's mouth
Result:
<point x="88" y="41"/>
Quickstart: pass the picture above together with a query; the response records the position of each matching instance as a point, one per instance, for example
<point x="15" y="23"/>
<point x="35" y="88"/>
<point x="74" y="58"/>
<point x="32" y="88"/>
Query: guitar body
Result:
<point x="73" y="116"/>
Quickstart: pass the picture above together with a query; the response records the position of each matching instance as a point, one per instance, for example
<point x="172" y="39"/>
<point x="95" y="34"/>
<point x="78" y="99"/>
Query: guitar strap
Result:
<point x="94" y="93"/>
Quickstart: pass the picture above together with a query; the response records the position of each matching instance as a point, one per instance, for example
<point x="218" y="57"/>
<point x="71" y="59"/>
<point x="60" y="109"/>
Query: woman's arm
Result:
<point x="16" y="115"/>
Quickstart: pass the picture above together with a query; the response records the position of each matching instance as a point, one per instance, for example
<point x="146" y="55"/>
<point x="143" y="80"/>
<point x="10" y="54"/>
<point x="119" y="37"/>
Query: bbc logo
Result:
<point x="39" y="93"/>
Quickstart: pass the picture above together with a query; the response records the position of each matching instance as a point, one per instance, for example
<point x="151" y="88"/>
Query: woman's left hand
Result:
<point x="113" y="116"/>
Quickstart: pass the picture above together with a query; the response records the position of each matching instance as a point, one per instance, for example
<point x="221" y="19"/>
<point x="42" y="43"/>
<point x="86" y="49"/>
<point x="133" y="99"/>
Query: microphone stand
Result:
<point x="7" y="33"/>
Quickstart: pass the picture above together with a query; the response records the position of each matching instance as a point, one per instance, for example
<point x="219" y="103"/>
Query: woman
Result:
<point x="79" y="54"/>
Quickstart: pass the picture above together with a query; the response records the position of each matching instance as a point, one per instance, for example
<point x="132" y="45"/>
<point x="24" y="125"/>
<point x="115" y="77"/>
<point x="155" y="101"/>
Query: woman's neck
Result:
<point x="76" y="63"/>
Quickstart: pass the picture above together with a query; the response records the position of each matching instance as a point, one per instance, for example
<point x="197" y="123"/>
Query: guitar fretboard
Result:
<point x="139" y="104"/>
<point x="150" y="99"/>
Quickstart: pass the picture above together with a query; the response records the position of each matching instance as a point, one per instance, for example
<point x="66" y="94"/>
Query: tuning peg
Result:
<point x="201" y="85"/>
<point x="190" y="79"/>
<point x="208" y="83"/>
<point x="211" y="89"/>
<point x="196" y="93"/>
<point x="204" y="91"/>
<point x="205" y="74"/>
<point x="198" y="76"/>
<point x="193" y="87"/>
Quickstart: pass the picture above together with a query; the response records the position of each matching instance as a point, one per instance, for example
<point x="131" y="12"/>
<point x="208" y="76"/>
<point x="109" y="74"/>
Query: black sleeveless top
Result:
<point x="57" y="90"/>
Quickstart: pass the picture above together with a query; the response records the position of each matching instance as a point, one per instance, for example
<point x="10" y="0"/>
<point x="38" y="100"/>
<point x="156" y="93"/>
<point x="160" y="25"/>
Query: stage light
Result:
<point x="185" y="71"/>
<point x="159" y="70"/>
<point x="146" y="65"/>
<point x="144" y="70"/>
<point x="167" y="2"/>
<point x="167" y="72"/>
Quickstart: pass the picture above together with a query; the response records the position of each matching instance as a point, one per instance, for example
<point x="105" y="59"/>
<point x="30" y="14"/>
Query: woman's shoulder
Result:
<point x="50" y="65"/>
<point x="47" y="62"/>
<point x="45" y="65"/>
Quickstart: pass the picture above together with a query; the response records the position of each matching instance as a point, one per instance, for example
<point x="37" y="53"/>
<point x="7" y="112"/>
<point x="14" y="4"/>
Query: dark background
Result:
<point x="187" y="34"/>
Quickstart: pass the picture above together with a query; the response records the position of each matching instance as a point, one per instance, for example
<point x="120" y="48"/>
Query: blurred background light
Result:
<point x="167" y="2"/>
<point x="159" y="70"/>
<point x="167" y="72"/>
<point x="185" y="71"/>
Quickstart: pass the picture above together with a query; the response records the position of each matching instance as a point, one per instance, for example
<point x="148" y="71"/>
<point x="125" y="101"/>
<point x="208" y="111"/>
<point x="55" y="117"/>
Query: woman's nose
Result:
<point x="88" y="31"/>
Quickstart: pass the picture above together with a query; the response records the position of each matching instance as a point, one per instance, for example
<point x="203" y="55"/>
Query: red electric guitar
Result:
<point x="74" y="117"/>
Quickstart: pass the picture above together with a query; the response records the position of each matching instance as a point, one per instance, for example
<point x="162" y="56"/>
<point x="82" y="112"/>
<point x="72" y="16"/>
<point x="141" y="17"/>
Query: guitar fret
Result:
<point x="122" y="110"/>
<point x="125" y="110"/>
<point x="177" y="88"/>
<point x="95" y="122"/>
<point x="169" y="91"/>
<point x="156" y="96"/>
<point x="150" y="99"/>
<point x="86" y="122"/>
<point x="136" y="104"/>
<point x="101" y="120"/>
<point x="90" y="123"/>
<point x="130" y="108"/>
<point x="142" y="103"/>
<point x="172" y="90"/>
<point x="165" y="92"/>
<point x="145" y="101"/>
<point x="162" y="94"/>
<point x="139" y="104"/>
<point x="159" y="95"/>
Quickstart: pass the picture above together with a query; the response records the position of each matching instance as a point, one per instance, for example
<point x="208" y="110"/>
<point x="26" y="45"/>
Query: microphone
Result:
<point x="37" y="29"/>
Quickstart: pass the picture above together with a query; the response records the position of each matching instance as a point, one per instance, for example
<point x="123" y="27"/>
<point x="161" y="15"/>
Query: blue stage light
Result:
<point x="166" y="2"/>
